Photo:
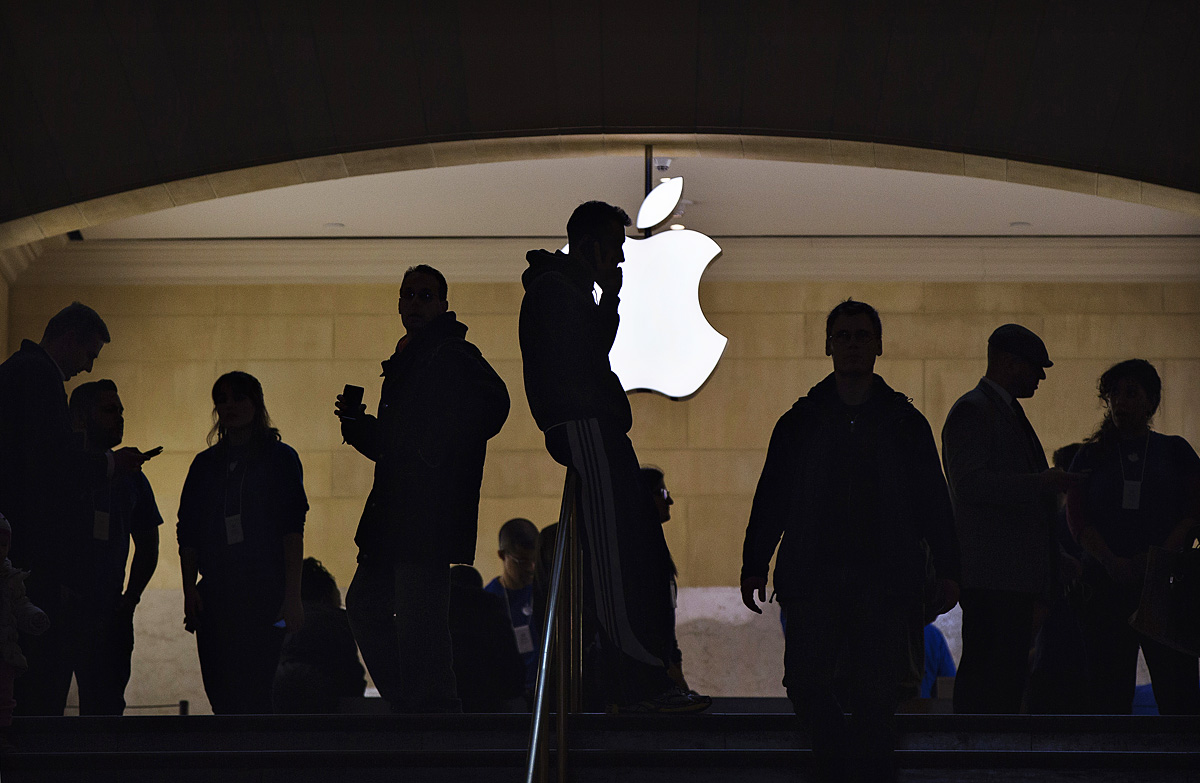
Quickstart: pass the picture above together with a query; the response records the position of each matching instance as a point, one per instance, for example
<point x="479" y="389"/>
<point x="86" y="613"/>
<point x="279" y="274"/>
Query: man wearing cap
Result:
<point x="1003" y="493"/>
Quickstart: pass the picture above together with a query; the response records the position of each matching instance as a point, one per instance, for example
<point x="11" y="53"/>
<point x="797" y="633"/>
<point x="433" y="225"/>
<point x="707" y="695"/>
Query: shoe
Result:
<point x="672" y="701"/>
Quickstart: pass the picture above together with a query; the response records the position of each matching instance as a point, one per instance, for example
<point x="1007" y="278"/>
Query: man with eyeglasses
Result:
<point x="440" y="403"/>
<point x="1005" y="498"/>
<point x="852" y="494"/>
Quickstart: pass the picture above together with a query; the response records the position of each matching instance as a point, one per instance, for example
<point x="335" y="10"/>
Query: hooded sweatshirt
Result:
<point x="565" y="340"/>
<point x="853" y="491"/>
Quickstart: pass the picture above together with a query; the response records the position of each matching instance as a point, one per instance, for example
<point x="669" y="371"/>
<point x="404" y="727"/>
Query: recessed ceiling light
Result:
<point x="1020" y="224"/>
<point x="677" y="227"/>
<point x="335" y="225"/>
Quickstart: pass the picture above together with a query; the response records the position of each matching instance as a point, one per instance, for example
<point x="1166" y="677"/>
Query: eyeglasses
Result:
<point x="521" y="561"/>
<point x="845" y="336"/>
<point x="664" y="493"/>
<point x="424" y="295"/>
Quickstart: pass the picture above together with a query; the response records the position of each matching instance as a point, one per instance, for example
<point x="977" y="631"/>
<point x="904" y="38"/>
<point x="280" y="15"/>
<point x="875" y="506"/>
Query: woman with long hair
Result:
<point x="241" y="529"/>
<point x="1143" y="490"/>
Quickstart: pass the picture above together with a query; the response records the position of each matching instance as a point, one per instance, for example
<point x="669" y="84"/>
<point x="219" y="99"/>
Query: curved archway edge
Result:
<point x="81" y="215"/>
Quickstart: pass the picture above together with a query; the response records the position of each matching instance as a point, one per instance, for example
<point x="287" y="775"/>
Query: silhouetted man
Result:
<point x="579" y="403"/>
<point x="1004" y="506"/>
<point x="853" y="487"/>
<point x="519" y="555"/>
<point x="44" y="470"/>
<point x="111" y="513"/>
<point x="440" y="403"/>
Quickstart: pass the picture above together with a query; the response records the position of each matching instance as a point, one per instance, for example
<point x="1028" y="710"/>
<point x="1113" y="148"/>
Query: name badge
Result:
<point x="100" y="525"/>
<point x="1132" y="497"/>
<point x="233" y="529"/>
<point x="524" y="638"/>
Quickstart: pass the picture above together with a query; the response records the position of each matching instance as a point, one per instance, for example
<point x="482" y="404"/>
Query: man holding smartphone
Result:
<point x="440" y="403"/>
<point x="118" y="509"/>
<point x="43" y="466"/>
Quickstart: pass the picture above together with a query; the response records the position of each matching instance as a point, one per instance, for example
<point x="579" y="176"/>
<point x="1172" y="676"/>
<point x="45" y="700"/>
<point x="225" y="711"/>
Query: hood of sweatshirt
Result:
<point x="543" y="262"/>
<point x="882" y="395"/>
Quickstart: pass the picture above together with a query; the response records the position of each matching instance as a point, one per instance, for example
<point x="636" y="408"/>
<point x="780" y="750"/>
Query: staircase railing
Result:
<point x="561" y="646"/>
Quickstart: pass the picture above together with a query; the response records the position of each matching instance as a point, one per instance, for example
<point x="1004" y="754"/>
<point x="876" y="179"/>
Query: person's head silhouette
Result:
<point x="422" y="297"/>
<point x="853" y="338"/>
<point x="74" y="337"/>
<point x="96" y="410"/>
<point x="596" y="234"/>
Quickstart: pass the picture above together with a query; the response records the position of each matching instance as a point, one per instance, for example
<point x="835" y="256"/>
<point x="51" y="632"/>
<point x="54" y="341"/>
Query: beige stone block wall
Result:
<point x="305" y="341"/>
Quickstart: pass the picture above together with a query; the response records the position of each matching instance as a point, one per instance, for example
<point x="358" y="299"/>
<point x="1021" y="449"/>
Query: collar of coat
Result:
<point x="444" y="327"/>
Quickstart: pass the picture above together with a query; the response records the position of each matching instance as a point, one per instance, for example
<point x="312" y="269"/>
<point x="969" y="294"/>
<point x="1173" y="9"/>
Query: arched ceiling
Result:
<point x="98" y="98"/>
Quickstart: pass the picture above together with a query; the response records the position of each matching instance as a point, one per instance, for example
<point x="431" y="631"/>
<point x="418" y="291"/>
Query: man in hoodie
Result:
<point x="853" y="486"/>
<point x="579" y="403"/>
<point x="439" y="405"/>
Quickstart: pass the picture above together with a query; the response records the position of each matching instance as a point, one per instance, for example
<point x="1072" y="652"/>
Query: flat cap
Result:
<point x="1018" y="340"/>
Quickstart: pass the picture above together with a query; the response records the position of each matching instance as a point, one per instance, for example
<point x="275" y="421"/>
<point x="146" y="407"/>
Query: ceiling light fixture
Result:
<point x="677" y="227"/>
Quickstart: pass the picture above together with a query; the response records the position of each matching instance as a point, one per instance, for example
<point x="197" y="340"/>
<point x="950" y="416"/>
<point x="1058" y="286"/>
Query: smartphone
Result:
<point x="352" y="397"/>
<point x="154" y="452"/>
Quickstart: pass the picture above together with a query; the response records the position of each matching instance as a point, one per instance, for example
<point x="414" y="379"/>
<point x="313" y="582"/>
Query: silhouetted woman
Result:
<point x="1143" y="491"/>
<point x="241" y="528"/>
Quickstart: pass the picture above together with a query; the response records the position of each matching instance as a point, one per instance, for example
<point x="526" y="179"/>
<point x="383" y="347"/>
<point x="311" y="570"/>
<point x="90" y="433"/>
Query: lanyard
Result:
<point x="231" y="466"/>
<point x="1145" y="458"/>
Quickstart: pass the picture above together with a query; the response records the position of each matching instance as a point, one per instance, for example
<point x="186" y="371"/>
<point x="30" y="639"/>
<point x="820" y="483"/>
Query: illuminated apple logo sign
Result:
<point x="664" y="343"/>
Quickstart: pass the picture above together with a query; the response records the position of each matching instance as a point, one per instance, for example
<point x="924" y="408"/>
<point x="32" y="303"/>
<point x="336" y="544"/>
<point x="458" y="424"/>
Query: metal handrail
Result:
<point x="563" y="549"/>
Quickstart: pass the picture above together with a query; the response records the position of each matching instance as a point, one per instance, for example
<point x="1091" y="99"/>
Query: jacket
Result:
<point x="565" y="339"/>
<point x="44" y="471"/>
<point x="440" y="403"/>
<point x="1004" y="519"/>
<point x="868" y="522"/>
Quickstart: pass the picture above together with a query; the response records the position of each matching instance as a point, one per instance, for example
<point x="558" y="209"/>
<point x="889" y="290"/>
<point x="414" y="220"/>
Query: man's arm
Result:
<point x="966" y="448"/>
<point x="769" y="512"/>
<point x="556" y="347"/>
<point x="141" y="569"/>
<point x="935" y="512"/>
<point x="610" y="301"/>
<point x="144" y="523"/>
<point x="471" y="402"/>
<point x="363" y="434"/>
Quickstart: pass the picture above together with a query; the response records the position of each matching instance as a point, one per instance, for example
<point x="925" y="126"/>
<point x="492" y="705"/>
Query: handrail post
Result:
<point x="537" y="767"/>
<point x="575" y="613"/>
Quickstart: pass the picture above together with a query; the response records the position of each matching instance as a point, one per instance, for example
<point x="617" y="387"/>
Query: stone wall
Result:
<point x="304" y="342"/>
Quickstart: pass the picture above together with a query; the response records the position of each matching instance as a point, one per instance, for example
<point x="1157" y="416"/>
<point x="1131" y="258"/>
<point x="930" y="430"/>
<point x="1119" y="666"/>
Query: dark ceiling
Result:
<point x="106" y="96"/>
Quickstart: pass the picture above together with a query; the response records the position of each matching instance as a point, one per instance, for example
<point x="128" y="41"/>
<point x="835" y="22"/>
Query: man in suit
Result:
<point x="1003" y="493"/>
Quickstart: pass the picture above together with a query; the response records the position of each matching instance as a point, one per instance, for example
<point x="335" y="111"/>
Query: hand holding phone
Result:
<point x="349" y="403"/>
<point x="152" y="453"/>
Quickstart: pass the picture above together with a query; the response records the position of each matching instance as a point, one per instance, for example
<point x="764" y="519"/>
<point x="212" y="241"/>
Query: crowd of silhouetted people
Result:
<point x="1063" y="572"/>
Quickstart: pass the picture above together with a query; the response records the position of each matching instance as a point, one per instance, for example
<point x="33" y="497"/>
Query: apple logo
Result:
<point x="664" y="343"/>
